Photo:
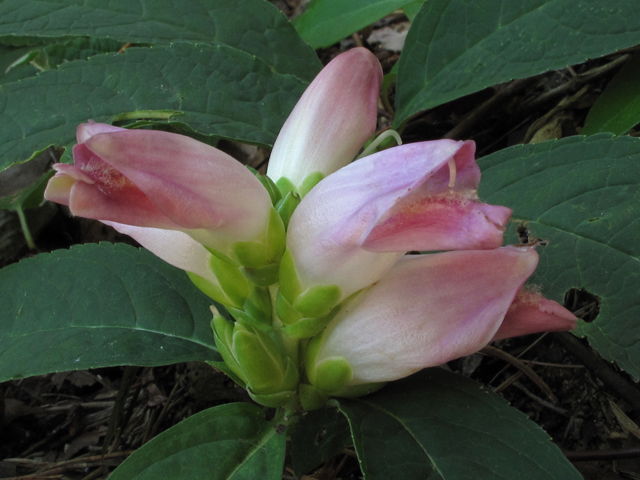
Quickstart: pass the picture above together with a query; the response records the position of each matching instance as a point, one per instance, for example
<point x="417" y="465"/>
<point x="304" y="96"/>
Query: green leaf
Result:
<point x="457" y="47"/>
<point x="440" y="425"/>
<point x="326" y="22"/>
<point x="617" y="110"/>
<point x="318" y="436"/>
<point x="411" y="9"/>
<point x="98" y="306"/>
<point x="231" y="441"/>
<point x="213" y="90"/>
<point x="253" y="26"/>
<point x="583" y="196"/>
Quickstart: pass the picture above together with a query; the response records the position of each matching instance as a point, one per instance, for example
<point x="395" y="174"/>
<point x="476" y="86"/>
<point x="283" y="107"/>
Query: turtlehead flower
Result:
<point x="428" y="310"/>
<point x="371" y="314"/>
<point x="330" y="122"/>
<point x="161" y="180"/>
<point x="358" y="222"/>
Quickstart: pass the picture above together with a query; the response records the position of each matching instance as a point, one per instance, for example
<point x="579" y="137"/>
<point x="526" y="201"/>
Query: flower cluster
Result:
<point x="311" y="261"/>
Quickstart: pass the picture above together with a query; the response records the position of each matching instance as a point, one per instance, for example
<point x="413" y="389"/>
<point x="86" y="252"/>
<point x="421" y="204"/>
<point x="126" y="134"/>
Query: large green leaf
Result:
<point x="583" y="196"/>
<point x="253" y="26"/>
<point x="229" y="442"/>
<point x="439" y="425"/>
<point x="326" y="22"/>
<point x="211" y="90"/>
<point x="98" y="306"/>
<point x="318" y="436"/>
<point x="617" y="110"/>
<point x="457" y="47"/>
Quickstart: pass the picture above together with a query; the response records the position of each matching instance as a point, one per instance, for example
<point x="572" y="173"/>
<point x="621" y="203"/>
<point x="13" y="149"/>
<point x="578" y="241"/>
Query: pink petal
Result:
<point x="355" y="224"/>
<point x="332" y="120"/>
<point x="192" y="184"/>
<point x="532" y="313"/>
<point x="59" y="188"/>
<point x="87" y="130"/>
<point x="175" y="248"/>
<point x="428" y="310"/>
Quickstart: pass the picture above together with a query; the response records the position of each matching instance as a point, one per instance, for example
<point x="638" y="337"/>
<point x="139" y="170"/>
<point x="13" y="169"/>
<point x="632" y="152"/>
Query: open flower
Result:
<point x="428" y="310"/>
<point x="358" y="222"/>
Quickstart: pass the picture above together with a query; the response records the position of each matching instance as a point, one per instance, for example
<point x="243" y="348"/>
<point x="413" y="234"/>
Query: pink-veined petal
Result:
<point x="332" y="119"/>
<point x="426" y="311"/>
<point x="340" y="233"/>
<point x="175" y="248"/>
<point x="532" y="313"/>
<point x="193" y="184"/>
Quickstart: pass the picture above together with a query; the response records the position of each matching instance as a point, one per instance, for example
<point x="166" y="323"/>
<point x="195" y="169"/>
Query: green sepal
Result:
<point x="262" y="362"/>
<point x="332" y="375"/>
<point x="276" y="239"/>
<point x="233" y="282"/>
<point x="223" y="337"/>
<point x="285" y="186"/>
<point x="210" y="289"/>
<point x="317" y="301"/>
<point x="285" y="310"/>
<point x="268" y="184"/>
<point x="274" y="400"/>
<point x="289" y="283"/>
<point x="258" y="305"/>
<point x="309" y="182"/>
<point x="311" y="398"/>
<point x="245" y="319"/>
<point x="287" y="206"/>
<point x="224" y="368"/>
<point x="263" y="276"/>
<point x="250" y="254"/>
<point x="309" y="327"/>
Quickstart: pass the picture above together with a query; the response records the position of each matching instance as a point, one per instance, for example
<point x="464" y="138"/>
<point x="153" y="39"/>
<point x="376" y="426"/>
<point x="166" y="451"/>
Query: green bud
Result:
<point x="309" y="182"/>
<point x="268" y="184"/>
<point x="249" y="254"/>
<point x="235" y="285"/>
<point x="258" y="305"/>
<point x="289" y="283"/>
<point x="329" y="375"/>
<point x="287" y="206"/>
<point x="311" y="398"/>
<point x="223" y="336"/>
<point x="309" y="327"/>
<point x="275" y="400"/>
<point x="285" y="186"/>
<point x="332" y="374"/>
<point x="210" y="289"/>
<point x="263" y="276"/>
<point x="317" y="301"/>
<point x="276" y="237"/>
<point x="266" y="369"/>
<point x="285" y="310"/>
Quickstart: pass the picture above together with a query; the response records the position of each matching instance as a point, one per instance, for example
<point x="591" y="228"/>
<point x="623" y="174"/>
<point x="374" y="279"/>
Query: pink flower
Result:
<point x="161" y="180"/>
<point x="430" y="309"/>
<point x="331" y="121"/>
<point x="358" y="222"/>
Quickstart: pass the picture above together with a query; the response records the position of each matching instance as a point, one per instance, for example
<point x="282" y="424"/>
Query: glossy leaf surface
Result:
<point x="211" y="90"/>
<point x="252" y="26"/>
<point x="228" y="442"/>
<point x="457" y="47"/>
<point x="439" y="425"/>
<point x="582" y="195"/>
<point x="99" y="306"/>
